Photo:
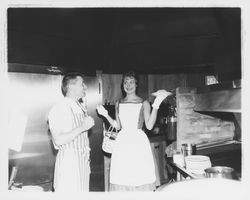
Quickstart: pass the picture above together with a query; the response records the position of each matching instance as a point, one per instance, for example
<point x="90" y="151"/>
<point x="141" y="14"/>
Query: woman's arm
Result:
<point x="111" y="121"/>
<point x="117" y="116"/>
<point x="149" y="116"/>
<point x="102" y="111"/>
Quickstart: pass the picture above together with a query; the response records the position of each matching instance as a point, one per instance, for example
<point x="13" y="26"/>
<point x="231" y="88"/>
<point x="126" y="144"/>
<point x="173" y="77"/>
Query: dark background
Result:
<point x="114" y="40"/>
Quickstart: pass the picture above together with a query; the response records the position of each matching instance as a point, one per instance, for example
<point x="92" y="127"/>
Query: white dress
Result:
<point x="132" y="162"/>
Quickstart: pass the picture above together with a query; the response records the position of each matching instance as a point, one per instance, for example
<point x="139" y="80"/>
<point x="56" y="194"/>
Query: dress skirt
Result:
<point x="132" y="164"/>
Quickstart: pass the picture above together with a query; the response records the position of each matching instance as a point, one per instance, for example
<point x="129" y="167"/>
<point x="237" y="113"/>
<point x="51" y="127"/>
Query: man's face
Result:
<point x="79" y="87"/>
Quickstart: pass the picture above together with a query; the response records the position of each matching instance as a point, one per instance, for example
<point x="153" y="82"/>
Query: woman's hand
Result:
<point x="160" y="96"/>
<point x="102" y="111"/>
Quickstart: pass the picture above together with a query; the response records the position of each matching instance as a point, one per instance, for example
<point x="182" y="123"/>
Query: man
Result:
<point x="69" y="125"/>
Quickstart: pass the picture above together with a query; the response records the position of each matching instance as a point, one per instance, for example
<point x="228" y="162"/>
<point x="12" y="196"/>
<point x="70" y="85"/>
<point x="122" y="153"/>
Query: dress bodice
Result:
<point x="129" y="115"/>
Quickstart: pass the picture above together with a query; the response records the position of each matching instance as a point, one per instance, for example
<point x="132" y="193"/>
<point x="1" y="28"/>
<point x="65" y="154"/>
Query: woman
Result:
<point x="132" y="164"/>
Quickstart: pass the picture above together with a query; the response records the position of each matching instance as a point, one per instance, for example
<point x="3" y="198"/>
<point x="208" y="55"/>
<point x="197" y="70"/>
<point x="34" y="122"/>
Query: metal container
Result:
<point x="219" y="172"/>
<point x="171" y="122"/>
<point x="188" y="149"/>
<point x="171" y="128"/>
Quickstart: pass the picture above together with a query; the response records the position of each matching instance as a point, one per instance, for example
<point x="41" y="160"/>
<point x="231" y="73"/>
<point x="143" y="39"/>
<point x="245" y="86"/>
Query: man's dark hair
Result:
<point x="67" y="79"/>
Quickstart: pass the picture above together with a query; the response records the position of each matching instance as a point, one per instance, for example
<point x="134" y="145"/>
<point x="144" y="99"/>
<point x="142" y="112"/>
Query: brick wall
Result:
<point x="195" y="127"/>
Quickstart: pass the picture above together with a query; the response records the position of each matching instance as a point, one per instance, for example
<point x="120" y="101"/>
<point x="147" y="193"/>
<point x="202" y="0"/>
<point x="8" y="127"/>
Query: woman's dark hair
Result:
<point x="130" y="74"/>
<point x="68" y="79"/>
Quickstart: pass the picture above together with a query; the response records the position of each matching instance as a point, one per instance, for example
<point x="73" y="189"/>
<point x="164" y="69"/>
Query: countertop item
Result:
<point x="182" y="170"/>
<point x="197" y="164"/>
<point x="219" y="172"/>
<point x="188" y="149"/>
<point x="186" y="172"/>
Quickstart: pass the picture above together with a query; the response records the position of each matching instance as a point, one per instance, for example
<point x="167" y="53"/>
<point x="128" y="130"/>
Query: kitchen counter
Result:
<point x="228" y="155"/>
<point x="225" y="154"/>
<point x="182" y="172"/>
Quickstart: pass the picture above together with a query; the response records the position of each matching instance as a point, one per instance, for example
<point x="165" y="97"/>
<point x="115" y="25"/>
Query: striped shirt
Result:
<point x="72" y="163"/>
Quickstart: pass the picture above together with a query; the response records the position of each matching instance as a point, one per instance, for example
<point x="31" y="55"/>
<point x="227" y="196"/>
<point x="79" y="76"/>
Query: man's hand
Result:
<point x="88" y="123"/>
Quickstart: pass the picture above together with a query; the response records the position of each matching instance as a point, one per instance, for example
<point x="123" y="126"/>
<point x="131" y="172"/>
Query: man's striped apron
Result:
<point x="72" y="167"/>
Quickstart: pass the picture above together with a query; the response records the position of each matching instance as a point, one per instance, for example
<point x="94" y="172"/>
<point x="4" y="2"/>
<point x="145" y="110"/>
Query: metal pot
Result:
<point x="219" y="172"/>
<point x="188" y="149"/>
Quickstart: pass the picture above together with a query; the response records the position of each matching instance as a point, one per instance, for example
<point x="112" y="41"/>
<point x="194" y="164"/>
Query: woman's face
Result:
<point x="129" y="85"/>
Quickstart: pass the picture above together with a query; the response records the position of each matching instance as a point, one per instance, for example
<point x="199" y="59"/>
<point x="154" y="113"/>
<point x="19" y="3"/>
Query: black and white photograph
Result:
<point x="127" y="99"/>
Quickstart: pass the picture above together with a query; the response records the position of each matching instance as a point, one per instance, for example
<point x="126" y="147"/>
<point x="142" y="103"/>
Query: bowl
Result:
<point x="219" y="172"/>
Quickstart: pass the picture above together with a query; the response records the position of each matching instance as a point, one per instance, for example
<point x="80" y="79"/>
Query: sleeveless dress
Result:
<point x="132" y="162"/>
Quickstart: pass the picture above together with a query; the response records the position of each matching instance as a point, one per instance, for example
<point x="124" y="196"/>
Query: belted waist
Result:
<point x="131" y="130"/>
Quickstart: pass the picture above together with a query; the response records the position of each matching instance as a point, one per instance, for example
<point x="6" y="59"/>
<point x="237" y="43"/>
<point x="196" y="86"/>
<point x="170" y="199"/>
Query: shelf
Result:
<point x="219" y="147"/>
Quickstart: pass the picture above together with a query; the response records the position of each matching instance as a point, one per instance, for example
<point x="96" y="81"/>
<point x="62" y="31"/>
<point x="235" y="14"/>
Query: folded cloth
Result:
<point x="161" y="92"/>
<point x="160" y="96"/>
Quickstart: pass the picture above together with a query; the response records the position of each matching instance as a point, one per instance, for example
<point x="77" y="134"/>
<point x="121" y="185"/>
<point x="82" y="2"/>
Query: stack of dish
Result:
<point x="179" y="160"/>
<point x="197" y="164"/>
